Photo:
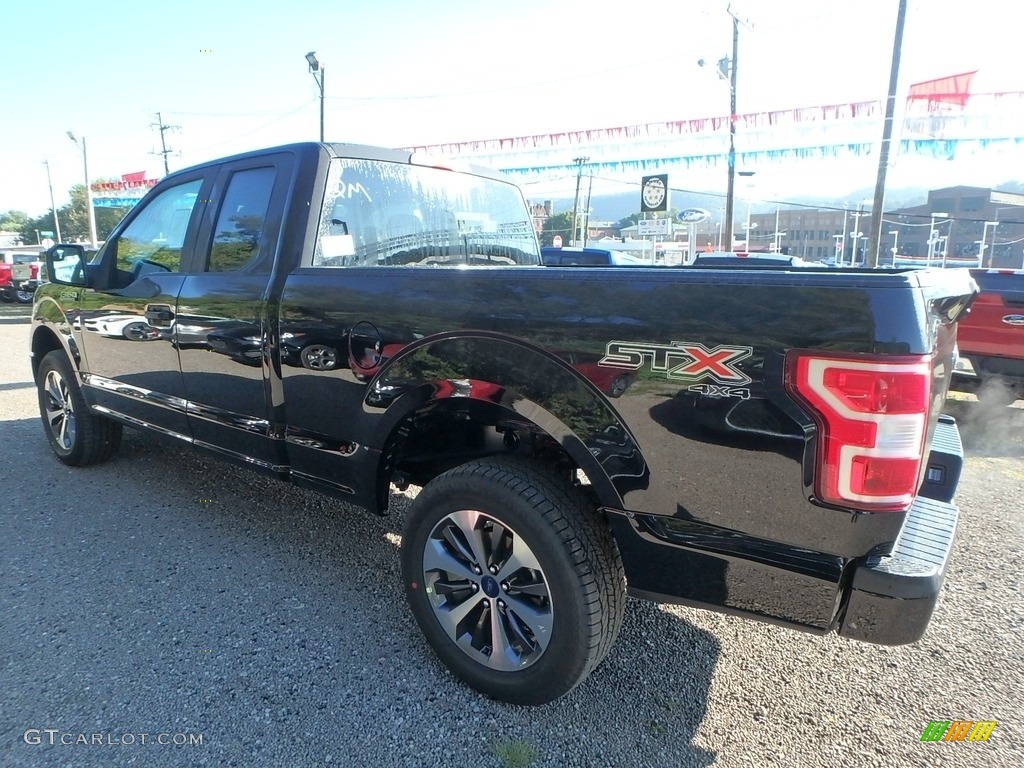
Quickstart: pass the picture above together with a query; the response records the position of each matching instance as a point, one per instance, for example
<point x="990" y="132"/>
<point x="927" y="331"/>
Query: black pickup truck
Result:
<point x="347" y="318"/>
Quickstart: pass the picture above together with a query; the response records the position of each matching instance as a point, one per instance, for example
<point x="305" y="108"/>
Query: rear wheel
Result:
<point x="513" y="578"/>
<point x="78" y="436"/>
<point x="23" y="296"/>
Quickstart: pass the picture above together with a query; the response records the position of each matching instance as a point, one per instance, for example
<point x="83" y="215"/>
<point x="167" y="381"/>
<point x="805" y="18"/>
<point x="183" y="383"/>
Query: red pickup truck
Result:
<point x="19" y="274"/>
<point x="991" y="338"/>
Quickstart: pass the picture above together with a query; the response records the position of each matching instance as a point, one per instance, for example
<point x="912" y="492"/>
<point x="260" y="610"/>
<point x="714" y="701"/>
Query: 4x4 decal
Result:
<point x="681" y="360"/>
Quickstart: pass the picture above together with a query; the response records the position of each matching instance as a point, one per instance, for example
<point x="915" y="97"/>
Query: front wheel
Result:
<point x="78" y="436"/>
<point x="513" y="578"/>
<point x="319" y="357"/>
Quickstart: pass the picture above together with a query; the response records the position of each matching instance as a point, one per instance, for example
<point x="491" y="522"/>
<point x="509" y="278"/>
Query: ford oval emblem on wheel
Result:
<point x="1014" y="319"/>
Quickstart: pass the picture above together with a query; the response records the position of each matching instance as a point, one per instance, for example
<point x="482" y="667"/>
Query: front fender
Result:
<point x="51" y="329"/>
<point x="528" y="382"/>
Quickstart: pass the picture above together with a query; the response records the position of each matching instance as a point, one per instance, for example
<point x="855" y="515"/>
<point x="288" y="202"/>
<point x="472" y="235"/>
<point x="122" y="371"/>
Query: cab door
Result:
<point x="224" y="330"/>
<point x="127" y="323"/>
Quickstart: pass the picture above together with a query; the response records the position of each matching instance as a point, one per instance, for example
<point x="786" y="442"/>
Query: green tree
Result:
<point x="629" y="221"/>
<point x="559" y="224"/>
<point x="74" y="219"/>
<point x="14" y="221"/>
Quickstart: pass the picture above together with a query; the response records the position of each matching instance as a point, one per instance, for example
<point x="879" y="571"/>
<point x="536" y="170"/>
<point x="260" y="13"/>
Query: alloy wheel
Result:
<point x="487" y="590"/>
<point x="60" y="413"/>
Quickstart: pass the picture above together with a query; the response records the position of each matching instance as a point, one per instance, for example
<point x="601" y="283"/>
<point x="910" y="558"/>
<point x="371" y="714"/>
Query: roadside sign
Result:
<point x="693" y="216"/>
<point x="556" y="241"/>
<point x="654" y="193"/>
<point x="654" y="227"/>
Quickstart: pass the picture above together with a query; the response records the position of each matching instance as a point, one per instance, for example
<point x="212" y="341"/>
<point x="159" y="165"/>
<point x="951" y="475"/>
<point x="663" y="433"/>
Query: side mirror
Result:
<point x="65" y="264"/>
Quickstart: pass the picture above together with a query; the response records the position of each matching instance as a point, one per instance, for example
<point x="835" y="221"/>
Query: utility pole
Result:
<point x="159" y="125"/>
<point x="730" y="191"/>
<point x="576" y="204"/>
<point x="871" y="258"/>
<point x="53" y="205"/>
<point x="586" y="215"/>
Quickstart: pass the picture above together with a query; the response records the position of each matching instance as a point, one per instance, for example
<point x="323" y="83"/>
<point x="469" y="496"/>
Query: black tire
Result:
<point x="78" y="436"/>
<point x="555" y="623"/>
<point x="23" y="297"/>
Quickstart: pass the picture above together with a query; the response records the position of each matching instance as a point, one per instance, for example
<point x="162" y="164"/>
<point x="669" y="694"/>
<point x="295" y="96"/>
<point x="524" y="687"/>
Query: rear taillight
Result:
<point x="872" y="415"/>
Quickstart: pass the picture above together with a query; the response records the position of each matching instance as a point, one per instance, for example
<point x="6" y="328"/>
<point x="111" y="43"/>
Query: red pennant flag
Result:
<point x="955" y="89"/>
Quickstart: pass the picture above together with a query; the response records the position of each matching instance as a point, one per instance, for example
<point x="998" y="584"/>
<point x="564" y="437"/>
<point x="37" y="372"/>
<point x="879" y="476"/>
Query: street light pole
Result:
<point x="576" y="203"/>
<point x="316" y="69"/>
<point x="778" y="235"/>
<point x="995" y="226"/>
<point x="933" y="236"/>
<point x="88" y="192"/>
<point x="982" y="246"/>
<point x="855" y="236"/>
<point x="842" y="240"/>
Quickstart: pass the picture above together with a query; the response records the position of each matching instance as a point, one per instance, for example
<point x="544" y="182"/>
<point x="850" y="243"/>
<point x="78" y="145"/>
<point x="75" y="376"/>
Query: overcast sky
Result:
<point x="232" y="75"/>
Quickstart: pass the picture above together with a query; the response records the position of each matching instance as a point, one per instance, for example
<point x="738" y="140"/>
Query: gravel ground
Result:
<point x="164" y="593"/>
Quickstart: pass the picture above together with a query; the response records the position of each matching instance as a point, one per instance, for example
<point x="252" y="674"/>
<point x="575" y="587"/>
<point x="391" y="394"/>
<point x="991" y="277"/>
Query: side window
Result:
<point x="242" y="218"/>
<point x="154" y="239"/>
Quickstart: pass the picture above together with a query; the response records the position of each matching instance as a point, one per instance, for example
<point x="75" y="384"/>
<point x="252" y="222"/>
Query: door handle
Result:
<point x="159" y="313"/>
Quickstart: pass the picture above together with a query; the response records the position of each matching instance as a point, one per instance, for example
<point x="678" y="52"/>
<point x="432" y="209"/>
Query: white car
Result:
<point x="132" y="327"/>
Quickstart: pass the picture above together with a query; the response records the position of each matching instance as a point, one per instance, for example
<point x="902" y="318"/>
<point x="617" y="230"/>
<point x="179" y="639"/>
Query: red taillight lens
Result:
<point x="872" y="416"/>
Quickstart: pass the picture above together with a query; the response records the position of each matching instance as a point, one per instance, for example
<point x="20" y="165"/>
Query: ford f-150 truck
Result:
<point x="991" y="338"/>
<point x="350" y="318"/>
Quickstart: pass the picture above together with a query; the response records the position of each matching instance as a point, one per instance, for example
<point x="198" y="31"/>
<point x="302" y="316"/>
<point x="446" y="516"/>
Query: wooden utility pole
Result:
<point x="730" y="192"/>
<point x="159" y="125"/>
<point x="874" y="241"/>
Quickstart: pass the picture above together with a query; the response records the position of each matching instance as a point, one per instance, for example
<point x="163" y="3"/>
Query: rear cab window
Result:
<point x="378" y="213"/>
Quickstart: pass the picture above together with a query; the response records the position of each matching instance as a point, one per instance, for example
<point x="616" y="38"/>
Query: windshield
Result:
<point x="391" y="214"/>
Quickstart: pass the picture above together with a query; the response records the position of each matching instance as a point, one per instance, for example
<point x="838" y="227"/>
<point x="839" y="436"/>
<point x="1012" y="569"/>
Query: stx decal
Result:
<point x="680" y="360"/>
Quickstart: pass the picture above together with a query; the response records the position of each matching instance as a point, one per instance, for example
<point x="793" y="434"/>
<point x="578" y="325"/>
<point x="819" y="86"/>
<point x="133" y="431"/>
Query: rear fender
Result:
<point x="529" y="384"/>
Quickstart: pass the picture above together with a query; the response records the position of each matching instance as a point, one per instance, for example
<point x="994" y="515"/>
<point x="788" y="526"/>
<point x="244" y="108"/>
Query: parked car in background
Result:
<point x="588" y="257"/>
<point x="739" y="259"/>
<point x="991" y="339"/>
<point x="19" y="276"/>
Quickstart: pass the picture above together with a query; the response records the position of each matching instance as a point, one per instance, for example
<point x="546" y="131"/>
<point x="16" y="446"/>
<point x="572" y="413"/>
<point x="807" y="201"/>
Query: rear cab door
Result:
<point x="223" y="330"/>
